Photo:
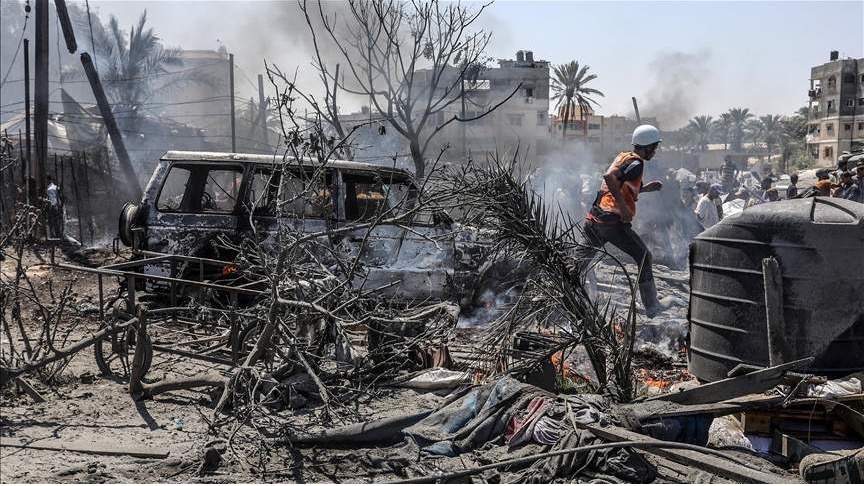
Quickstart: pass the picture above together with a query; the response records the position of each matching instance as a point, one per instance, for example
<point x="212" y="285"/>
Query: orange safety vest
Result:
<point x="605" y="208"/>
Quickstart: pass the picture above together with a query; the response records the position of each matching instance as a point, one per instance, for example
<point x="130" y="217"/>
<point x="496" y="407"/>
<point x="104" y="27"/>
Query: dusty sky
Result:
<point x="679" y="58"/>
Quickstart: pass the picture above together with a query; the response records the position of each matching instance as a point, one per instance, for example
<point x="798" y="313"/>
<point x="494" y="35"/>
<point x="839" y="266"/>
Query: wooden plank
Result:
<point x="659" y="409"/>
<point x="718" y="391"/>
<point x="712" y="464"/>
<point x="790" y="447"/>
<point x="99" y="448"/>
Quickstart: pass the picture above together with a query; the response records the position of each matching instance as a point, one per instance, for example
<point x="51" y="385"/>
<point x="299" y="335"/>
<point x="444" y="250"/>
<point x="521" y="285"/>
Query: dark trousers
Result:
<point x="622" y="236"/>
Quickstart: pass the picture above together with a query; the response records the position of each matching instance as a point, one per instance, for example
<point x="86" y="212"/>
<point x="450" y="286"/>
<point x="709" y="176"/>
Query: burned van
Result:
<point x="195" y="197"/>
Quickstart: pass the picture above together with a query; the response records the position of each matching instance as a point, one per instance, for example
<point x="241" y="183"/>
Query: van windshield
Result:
<point x="200" y="189"/>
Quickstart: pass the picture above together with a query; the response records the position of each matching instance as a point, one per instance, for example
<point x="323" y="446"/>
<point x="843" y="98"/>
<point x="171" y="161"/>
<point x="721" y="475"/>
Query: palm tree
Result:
<point x="133" y="69"/>
<point x="569" y="87"/>
<point x="738" y="118"/>
<point x="794" y="136"/>
<point x="768" y="129"/>
<point x="723" y="126"/>
<point x="701" y="127"/>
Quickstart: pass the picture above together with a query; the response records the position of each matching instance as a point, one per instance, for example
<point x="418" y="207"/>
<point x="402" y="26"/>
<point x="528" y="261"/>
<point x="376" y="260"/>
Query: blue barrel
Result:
<point x="819" y="244"/>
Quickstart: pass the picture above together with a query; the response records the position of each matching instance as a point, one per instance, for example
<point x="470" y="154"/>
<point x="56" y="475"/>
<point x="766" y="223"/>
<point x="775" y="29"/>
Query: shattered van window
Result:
<point x="200" y="189"/>
<point x="171" y="197"/>
<point x="305" y="198"/>
<point x="220" y="191"/>
<point x="365" y="197"/>
<point x="262" y="192"/>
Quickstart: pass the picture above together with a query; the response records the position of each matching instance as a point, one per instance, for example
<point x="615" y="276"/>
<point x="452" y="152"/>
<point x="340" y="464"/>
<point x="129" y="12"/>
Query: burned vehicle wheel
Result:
<point x="130" y="215"/>
<point x="114" y="354"/>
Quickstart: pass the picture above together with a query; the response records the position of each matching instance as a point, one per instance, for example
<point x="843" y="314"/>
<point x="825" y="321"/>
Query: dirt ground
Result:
<point x="82" y="407"/>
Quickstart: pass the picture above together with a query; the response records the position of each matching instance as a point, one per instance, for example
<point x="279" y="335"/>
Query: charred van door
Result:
<point x="413" y="260"/>
<point x="197" y="202"/>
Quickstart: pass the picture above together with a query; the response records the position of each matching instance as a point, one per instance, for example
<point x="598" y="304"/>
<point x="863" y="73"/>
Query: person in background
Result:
<point x="688" y="198"/>
<point x="822" y="174"/>
<point x="822" y="188"/>
<point x="772" y="195"/>
<point x="848" y="189"/>
<point x="842" y="166"/>
<point x="55" y="209"/>
<point x="859" y="181"/>
<point x="614" y="207"/>
<point x="706" y="209"/>
<point x="792" y="190"/>
<point x="765" y="185"/>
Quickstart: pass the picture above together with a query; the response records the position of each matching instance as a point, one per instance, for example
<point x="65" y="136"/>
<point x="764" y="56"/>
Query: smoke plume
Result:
<point x="678" y="79"/>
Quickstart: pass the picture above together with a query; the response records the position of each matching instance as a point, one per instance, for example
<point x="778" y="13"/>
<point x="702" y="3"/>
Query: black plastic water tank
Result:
<point x="819" y="244"/>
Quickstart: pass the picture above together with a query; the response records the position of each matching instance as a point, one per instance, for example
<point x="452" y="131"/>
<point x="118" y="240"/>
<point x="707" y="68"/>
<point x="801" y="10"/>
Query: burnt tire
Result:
<point x="129" y="216"/>
<point x="114" y="354"/>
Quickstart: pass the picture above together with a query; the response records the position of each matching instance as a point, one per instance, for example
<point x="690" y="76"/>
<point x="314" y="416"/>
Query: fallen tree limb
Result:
<point x="373" y="432"/>
<point x="150" y="390"/>
<point x="9" y="374"/>
<point x="103" y="449"/>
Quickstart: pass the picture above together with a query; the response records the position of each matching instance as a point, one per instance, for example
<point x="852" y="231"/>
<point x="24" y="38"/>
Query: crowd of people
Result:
<point x="707" y="200"/>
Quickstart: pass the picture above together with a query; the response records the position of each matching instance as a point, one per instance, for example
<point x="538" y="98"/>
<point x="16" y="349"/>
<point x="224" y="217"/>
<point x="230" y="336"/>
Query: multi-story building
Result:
<point x="604" y="135"/>
<point x="523" y="121"/>
<point x="836" y="109"/>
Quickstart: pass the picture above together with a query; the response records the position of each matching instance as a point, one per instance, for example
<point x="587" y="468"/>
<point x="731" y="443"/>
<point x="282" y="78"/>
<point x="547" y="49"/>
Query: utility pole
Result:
<point x="231" y="84"/>
<point x="66" y="25"/>
<point x="133" y="189"/>
<point x="27" y="119"/>
<point x="636" y="109"/>
<point x="40" y="108"/>
<point x="262" y="107"/>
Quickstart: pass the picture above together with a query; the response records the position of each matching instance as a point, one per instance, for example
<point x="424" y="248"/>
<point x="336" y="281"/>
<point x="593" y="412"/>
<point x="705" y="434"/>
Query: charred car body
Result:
<point x="194" y="197"/>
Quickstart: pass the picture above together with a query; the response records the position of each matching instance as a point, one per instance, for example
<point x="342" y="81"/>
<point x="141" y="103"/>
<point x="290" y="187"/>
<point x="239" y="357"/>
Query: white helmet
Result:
<point x="645" y="135"/>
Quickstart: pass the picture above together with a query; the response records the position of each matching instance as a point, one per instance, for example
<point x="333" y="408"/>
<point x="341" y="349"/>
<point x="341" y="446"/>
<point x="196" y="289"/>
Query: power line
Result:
<point x="138" y="78"/>
<point x="17" y="49"/>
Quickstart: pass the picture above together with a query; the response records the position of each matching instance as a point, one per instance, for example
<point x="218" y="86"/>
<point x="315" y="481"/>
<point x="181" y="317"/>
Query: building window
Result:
<point x="830" y="106"/>
<point x="542" y="118"/>
<point x="829" y="128"/>
<point x="832" y="82"/>
<point x="593" y="126"/>
<point x="515" y="120"/>
<point x="529" y="92"/>
<point x="847" y="127"/>
<point x="850" y="102"/>
<point x="828" y="152"/>
<point x="849" y="78"/>
<point x="860" y="126"/>
<point x="860" y="101"/>
<point x="862" y="79"/>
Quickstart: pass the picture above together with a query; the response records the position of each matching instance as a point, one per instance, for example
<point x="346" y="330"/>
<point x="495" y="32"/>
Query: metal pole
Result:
<point x="231" y="84"/>
<point x="40" y="108"/>
<point x="29" y="153"/>
<point x="636" y="109"/>
<point x="262" y="107"/>
<point x="134" y="189"/>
